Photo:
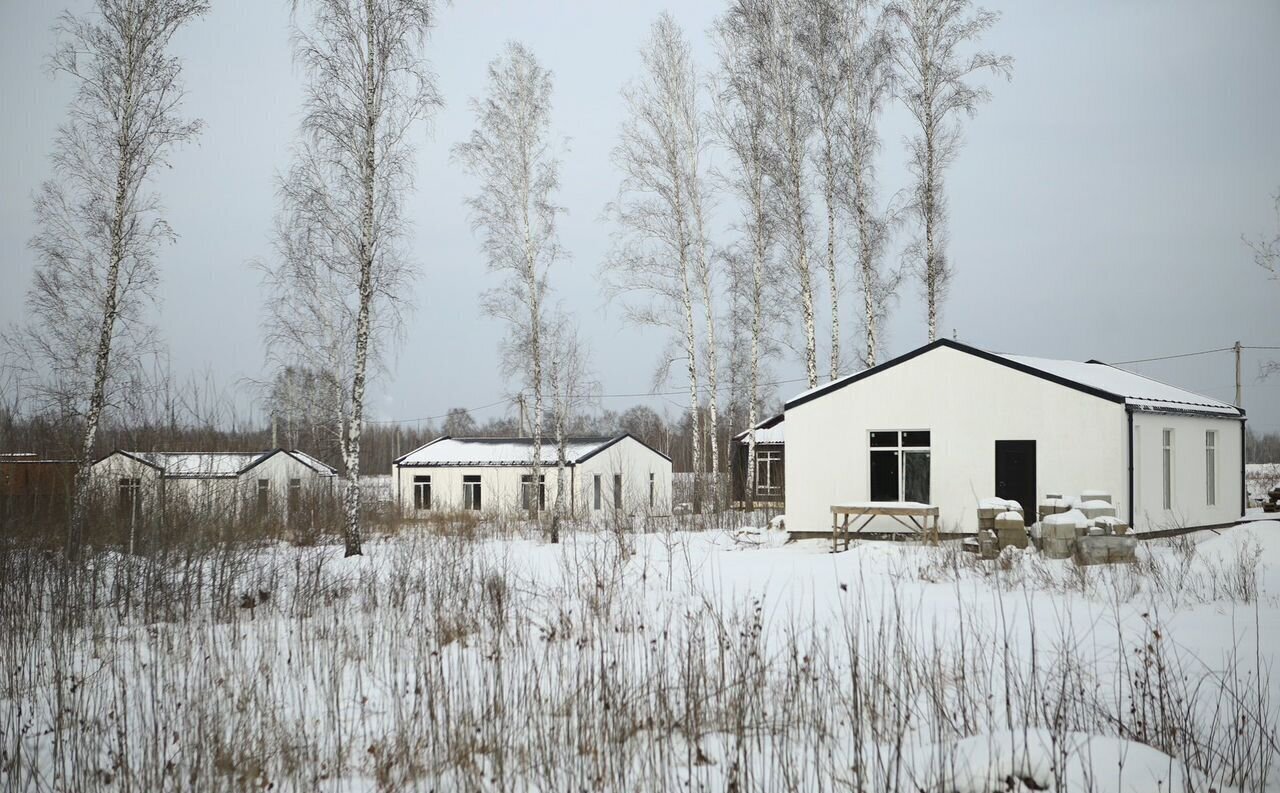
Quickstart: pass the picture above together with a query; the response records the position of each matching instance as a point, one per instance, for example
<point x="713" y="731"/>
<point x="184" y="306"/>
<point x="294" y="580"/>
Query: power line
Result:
<point x="1171" y="357"/>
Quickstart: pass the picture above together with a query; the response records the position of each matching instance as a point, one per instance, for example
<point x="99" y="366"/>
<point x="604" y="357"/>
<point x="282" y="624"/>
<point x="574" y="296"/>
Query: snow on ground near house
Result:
<point x="707" y="660"/>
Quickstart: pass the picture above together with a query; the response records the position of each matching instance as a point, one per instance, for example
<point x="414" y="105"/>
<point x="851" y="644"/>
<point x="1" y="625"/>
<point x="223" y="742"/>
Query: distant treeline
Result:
<point x="1261" y="447"/>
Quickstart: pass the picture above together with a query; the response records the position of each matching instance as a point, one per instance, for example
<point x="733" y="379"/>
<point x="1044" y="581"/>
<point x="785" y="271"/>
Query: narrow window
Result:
<point x="596" y="494"/>
<point x="263" y="496"/>
<point x="652" y="487"/>
<point x="1211" y="468"/>
<point x="128" y="497"/>
<point x="295" y="495"/>
<point x="899" y="464"/>
<point x="471" y="491"/>
<point x="617" y="491"/>
<point x="421" y="493"/>
<point x="526" y="491"/>
<point x="1168" y="469"/>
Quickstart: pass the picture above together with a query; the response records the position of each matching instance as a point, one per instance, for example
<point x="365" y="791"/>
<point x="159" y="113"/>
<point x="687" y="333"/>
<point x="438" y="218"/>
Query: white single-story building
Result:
<point x="494" y="475"/>
<point x="237" y="484"/>
<point x="949" y="424"/>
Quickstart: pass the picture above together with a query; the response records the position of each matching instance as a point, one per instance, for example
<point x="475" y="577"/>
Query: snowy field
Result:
<point x="684" y="661"/>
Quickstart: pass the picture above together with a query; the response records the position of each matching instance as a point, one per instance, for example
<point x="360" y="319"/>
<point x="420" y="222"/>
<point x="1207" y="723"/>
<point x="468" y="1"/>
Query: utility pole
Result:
<point x="1239" y="399"/>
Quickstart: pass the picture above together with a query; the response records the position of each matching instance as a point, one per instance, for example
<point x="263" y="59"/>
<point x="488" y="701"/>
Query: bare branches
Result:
<point x="934" y="86"/>
<point x="660" y="239"/>
<point x="367" y="85"/>
<point x="510" y="151"/>
<point x="1266" y="253"/>
<point x="99" y="229"/>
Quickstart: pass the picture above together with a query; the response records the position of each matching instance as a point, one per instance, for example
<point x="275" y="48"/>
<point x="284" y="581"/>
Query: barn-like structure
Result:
<point x="949" y="424"/>
<point x="605" y="476"/>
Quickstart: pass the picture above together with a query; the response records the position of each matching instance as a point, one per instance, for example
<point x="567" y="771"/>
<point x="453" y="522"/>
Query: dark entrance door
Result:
<point x="1016" y="475"/>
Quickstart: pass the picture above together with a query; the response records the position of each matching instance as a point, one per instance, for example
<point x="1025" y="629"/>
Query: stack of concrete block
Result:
<point x="1105" y="549"/>
<point x="989" y="508"/>
<point x="1011" y="530"/>
<point x="1059" y="533"/>
<point x="988" y="545"/>
<point x="1053" y="504"/>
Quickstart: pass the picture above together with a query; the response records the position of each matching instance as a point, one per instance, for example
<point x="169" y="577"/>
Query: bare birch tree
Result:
<point x="572" y="386"/>
<point x="100" y="229"/>
<point x="933" y="78"/>
<point x="511" y="152"/>
<point x="654" y="264"/>
<point x="742" y="125"/>
<point x="869" y="79"/>
<point x="791" y="121"/>
<point x="367" y="85"/>
<point x="823" y="45"/>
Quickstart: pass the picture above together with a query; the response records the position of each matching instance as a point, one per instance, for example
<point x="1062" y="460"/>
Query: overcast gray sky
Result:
<point x="1096" y="208"/>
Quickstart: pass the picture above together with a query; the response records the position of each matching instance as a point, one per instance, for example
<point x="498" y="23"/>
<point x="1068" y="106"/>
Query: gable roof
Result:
<point x="484" y="452"/>
<point x="215" y="465"/>
<point x="771" y="430"/>
<point x="1093" y="377"/>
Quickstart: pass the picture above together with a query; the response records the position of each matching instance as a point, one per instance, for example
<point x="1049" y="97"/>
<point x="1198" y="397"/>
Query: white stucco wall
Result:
<point x="501" y="484"/>
<point x="1189" y="475"/>
<point x="635" y="462"/>
<point x="108" y="472"/>
<point x="967" y="403"/>
<point x="278" y="469"/>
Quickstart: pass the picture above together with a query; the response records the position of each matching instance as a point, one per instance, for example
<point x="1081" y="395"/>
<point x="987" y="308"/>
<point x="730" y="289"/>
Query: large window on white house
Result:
<point x="1210" y="468"/>
<point x="471" y="491"/>
<point x="526" y="491"/>
<point x="596" y="489"/>
<point x="421" y="492"/>
<point x="1167" y="467"/>
<point x="768" y="472"/>
<point x="617" y="491"/>
<point x="263" y="497"/>
<point x="899" y="464"/>
<point x="652" y="489"/>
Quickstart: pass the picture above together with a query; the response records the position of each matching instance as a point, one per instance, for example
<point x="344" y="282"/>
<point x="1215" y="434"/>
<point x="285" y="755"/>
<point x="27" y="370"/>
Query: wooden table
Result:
<point x="917" y="518"/>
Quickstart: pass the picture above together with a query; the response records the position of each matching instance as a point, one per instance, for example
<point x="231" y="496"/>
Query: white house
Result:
<point x="237" y="484"/>
<point x="494" y="475"/>
<point x="950" y="424"/>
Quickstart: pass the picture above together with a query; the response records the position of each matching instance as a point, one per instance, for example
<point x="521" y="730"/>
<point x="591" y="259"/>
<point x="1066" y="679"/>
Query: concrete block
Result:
<point x="1105" y="550"/>
<point x="1056" y="548"/>
<point x="1097" y="508"/>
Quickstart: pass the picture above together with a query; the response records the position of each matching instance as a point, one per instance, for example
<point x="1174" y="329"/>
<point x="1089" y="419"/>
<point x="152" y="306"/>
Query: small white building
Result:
<point x="948" y="424"/>
<point x="494" y="475"/>
<point x="235" y="484"/>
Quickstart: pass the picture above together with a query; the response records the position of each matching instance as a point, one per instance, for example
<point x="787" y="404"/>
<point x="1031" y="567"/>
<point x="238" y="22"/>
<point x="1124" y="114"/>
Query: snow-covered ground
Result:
<point x="692" y="661"/>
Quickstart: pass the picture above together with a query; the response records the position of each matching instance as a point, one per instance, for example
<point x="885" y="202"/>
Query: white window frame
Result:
<point x="765" y="485"/>
<point x="526" y="485"/>
<point x="901" y="450"/>
<point x="1167" y="446"/>
<point x="470" y="502"/>
<point x="1211" y="468"/>
<point x="421" y="482"/>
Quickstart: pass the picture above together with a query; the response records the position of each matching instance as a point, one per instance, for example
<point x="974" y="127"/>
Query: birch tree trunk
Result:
<point x="933" y="86"/>
<point x="367" y="86"/>
<point x="510" y="151"/>
<point x="99" y="231"/>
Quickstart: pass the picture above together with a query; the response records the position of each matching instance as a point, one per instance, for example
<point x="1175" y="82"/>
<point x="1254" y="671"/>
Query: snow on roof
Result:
<point x="1137" y="391"/>
<point x="499" y="451"/>
<point x="318" y="465"/>
<point x="768" y="431"/>
<point x="200" y="465"/>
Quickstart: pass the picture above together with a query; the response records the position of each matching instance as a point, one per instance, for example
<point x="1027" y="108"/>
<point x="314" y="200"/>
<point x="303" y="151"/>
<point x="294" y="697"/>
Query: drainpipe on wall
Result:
<point x="1132" y="508"/>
